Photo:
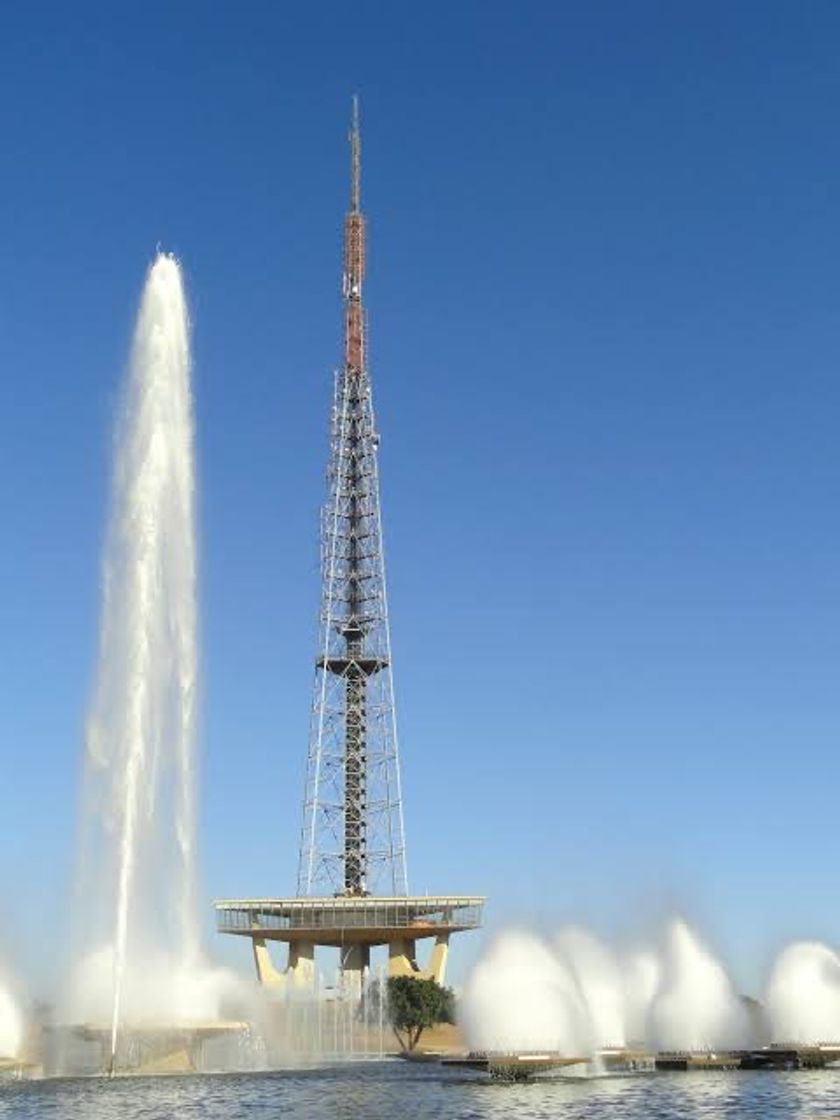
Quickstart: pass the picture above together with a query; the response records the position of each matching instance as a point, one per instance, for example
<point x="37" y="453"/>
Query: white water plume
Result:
<point x="136" y="884"/>
<point x="641" y="975"/>
<point x="696" y="1007"/>
<point x="11" y="1025"/>
<point x="521" y="996"/>
<point x="598" y="979"/>
<point x="802" y="996"/>
<point x="578" y="997"/>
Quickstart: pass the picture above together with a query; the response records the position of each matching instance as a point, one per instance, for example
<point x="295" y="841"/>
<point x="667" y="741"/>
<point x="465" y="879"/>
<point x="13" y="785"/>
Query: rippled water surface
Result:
<point x="397" y="1090"/>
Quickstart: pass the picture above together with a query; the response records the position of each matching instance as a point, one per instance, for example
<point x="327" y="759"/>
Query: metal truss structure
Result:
<point x="352" y="837"/>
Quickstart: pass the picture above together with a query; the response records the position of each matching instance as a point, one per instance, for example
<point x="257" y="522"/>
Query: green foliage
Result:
<point x="414" y="1005"/>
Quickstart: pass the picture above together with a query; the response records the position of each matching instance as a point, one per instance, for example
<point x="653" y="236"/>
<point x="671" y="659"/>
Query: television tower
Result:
<point x="352" y="879"/>
<point x="352" y="837"/>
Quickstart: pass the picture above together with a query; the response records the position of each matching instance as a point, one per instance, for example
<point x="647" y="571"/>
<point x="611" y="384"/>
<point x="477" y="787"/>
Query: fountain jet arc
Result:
<point x="137" y="874"/>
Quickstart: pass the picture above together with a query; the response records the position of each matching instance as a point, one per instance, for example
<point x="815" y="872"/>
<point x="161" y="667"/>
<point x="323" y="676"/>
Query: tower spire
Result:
<point x="354" y="257"/>
<point x="352" y="838"/>
<point x="355" y="158"/>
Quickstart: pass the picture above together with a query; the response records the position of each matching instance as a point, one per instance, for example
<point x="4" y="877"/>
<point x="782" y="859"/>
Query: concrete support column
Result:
<point x="267" y="974"/>
<point x="402" y="957"/>
<point x="301" y="970"/>
<point x="300" y="973"/>
<point x="440" y="955"/>
<point x="355" y="961"/>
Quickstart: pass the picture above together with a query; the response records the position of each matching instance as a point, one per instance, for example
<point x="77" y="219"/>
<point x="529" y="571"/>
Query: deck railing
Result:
<point x="243" y="916"/>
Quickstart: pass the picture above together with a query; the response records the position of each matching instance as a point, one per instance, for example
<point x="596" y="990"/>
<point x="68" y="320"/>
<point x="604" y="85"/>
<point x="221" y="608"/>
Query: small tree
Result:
<point x="414" y="1005"/>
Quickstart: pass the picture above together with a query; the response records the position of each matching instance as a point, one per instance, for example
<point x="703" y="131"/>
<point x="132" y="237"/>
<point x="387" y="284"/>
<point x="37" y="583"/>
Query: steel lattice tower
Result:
<point x="352" y="837"/>
<point x="352" y="893"/>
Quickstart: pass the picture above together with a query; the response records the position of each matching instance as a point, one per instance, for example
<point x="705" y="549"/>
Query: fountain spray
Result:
<point x="141" y="729"/>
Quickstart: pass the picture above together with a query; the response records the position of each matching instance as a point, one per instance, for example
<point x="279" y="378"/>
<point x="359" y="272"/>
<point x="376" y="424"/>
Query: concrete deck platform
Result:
<point x="353" y="924"/>
<point x="338" y="921"/>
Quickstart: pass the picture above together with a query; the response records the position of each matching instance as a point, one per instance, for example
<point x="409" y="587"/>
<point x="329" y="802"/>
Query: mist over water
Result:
<point x="138" y="956"/>
<point x="575" y="995"/>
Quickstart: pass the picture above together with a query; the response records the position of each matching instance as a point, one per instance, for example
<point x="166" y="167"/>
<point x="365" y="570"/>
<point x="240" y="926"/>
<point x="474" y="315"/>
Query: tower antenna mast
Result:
<point x="355" y="159"/>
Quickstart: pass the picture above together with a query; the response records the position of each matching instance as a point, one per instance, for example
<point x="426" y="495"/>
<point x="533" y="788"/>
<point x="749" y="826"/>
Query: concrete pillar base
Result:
<point x="402" y="958"/>
<point x="355" y="961"/>
<point x="267" y="974"/>
<point x="440" y="955"/>
<point x="301" y="970"/>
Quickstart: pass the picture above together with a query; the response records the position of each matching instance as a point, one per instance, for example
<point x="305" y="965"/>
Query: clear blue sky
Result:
<point x="605" y="325"/>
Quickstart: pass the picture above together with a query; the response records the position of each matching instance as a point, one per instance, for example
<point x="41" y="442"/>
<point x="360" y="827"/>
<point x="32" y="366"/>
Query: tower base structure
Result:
<point x="353" y="925"/>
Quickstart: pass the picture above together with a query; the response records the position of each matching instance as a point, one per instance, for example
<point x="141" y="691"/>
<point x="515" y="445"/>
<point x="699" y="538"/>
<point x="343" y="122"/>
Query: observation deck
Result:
<point x="346" y="920"/>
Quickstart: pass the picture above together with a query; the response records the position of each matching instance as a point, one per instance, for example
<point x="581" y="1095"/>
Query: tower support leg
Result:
<point x="300" y="973"/>
<point x="301" y="970"/>
<point x="440" y="955"/>
<point x="267" y="974"/>
<point x="355" y="961"/>
<point x="402" y="956"/>
<point x="402" y="959"/>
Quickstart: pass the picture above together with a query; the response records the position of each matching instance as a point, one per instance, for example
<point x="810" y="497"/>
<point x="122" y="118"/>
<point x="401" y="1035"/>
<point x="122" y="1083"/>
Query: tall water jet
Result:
<point x="136" y="882"/>
<point x="802" y="996"/>
<point x="641" y="974"/>
<point x="696" y="1007"/>
<point x="599" y="982"/>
